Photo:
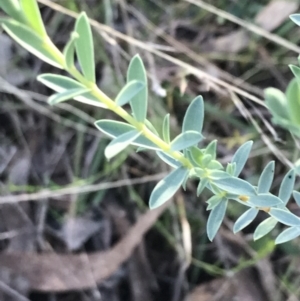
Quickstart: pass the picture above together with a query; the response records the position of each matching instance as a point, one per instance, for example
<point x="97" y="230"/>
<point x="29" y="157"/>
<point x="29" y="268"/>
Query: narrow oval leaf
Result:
<point x="264" y="227"/>
<point x="215" y="219"/>
<point x="32" y="13"/>
<point x="236" y="186"/>
<point x="285" y="217"/>
<point x="276" y="102"/>
<point x="13" y="9"/>
<point x="120" y="143"/>
<point x="85" y="47"/>
<point x="166" y="128"/>
<point x="218" y="174"/>
<point x="295" y="18"/>
<point x="266" y="178"/>
<point x="286" y="187"/>
<point x="287" y="235"/>
<point x="293" y="101"/>
<point x="213" y="202"/>
<point x="296" y="196"/>
<point x="113" y="128"/>
<point x="69" y="50"/>
<point x="60" y="83"/>
<point x="116" y="128"/>
<point x="167" y="187"/>
<point x="241" y="156"/>
<point x="211" y="149"/>
<point x="136" y="71"/>
<point x="264" y="200"/>
<point x="245" y="219"/>
<point x="185" y="140"/>
<point x="194" y="116"/>
<point x="66" y="95"/>
<point x="169" y="160"/>
<point x="30" y="41"/>
<point x="202" y="184"/>
<point x="129" y="91"/>
<point x="296" y="71"/>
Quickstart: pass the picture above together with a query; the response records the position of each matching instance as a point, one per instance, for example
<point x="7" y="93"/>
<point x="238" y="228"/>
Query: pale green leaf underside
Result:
<point x="287" y="235"/>
<point x="215" y="219"/>
<point x="236" y="186"/>
<point x="69" y="50"/>
<point x="30" y="41"/>
<point x="169" y="160"/>
<point x="60" y="83"/>
<point x="136" y="71"/>
<point x="245" y="219"/>
<point x="66" y="95"/>
<point x="264" y="227"/>
<point x="85" y="47"/>
<point x="194" y="116"/>
<point x="167" y="187"/>
<point x="120" y="143"/>
<point x="129" y="91"/>
<point x="116" y="128"/>
<point x="166" y="129"/>
<point x="185" y="140"/>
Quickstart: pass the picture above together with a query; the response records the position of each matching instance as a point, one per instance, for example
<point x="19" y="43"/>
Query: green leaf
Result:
<point x="28" y="39"/>
<point x="241" y="156"/>
<point x="215" y="219"/>
<point x="286" y="187"/>
<point x="245" y="219"/>
<point x="60" y="83"/>
<point x="68" y="94"/>
<point x="296" y="196"/>
<point x="85" y="47"/>
<point x="169" y="160"/>
<point x="32" y="13"/>
<point x="218" y="174"/>
<point x="120" y="143"/>
<point x="194" y="116"/>
<point x="293" y="100"/>
<point x="136" y="71"/>
<point x="235" y="186"/>
<point x="285" y="217"/>
<point x="266" y="178"/>
<point x="185" y="140"/>
<point x="213" y="202"/>
<point x="166" y="129"/>
<point x="276" y="102"/>
<point x="295" y="18"/>
<point x="264" y="228"/>
<point x="69" y="50"/>
<point x="264" y="200"/>
<point x="211" y="149"/>
<point x="167" y="187"/>
<point x="287" y="235"/>
<point x="13" y="9"/>
<point x="116" y="128"/>
<point x="129" y="91"/>
<point x="214" y="164"/>
<point x="202" y="184"/>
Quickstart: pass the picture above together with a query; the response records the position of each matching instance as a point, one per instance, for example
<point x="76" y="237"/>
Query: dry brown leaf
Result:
<point x="275" y="13"/>
<point x="59" y="273"/>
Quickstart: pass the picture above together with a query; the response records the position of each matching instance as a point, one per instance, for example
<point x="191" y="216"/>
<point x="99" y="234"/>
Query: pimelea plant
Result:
<point x="182" y="153"/>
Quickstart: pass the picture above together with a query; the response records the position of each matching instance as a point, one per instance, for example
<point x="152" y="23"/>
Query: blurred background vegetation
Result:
<point x="67" y="200"/>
